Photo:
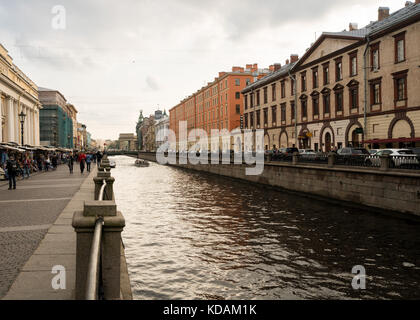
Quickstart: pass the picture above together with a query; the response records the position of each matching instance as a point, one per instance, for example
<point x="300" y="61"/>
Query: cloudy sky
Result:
<point x="115" y="58"/>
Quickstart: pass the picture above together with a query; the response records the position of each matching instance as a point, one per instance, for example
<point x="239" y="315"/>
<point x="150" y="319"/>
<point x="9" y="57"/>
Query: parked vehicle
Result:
<point x="373" y="151"/>
<point x="416" y="151"/>
<point x="305" y="152"/>
<point x="352" y="156"/>
<point x="399" y="158"/>
<point x="286" y="153"/>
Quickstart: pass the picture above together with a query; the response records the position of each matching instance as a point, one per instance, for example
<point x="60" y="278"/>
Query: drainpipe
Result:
<point x="365" y="67"/>
<point x="296" y="116"/>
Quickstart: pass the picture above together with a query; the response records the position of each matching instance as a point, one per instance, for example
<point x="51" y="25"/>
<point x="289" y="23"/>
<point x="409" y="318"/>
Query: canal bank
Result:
<point x="393" y="190"/>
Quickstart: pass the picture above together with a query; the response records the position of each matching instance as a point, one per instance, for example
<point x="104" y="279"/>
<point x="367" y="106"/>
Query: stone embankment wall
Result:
<point x="395" y="190"/>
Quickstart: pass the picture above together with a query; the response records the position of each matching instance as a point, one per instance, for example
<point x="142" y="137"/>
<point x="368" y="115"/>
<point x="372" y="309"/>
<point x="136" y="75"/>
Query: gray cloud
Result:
<point x="100" y="60"/>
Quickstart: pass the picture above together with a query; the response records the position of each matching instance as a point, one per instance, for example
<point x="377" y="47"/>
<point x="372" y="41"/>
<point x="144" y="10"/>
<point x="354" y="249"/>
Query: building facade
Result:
<point x="352" y="88"/>
<point x="18" y="94"/>
<point x="127" y="142"/>
<point x="72" y="111"/>
<point x="162" y="130"/>
<point x="218" y="105"/>
<point x="56" y="124"/>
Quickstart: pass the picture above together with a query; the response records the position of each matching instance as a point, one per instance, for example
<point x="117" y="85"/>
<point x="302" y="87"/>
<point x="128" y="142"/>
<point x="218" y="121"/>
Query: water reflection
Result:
<point x="196" y="236"/>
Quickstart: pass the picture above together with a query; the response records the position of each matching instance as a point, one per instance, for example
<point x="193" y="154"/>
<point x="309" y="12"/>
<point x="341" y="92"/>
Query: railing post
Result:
<point x="331" y="159"/>
<point x="385" y="162"/>
<point x="84" y="223"/>
<point x="295" y="159"/>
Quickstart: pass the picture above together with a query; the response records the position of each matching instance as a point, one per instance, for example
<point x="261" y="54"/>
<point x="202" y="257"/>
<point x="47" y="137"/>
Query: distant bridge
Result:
<point x="122" y="153"/>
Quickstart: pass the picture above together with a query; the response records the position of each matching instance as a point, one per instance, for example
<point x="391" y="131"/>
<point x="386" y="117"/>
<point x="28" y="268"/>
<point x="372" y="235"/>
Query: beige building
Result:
<point x="356" y="87"/>
<point x="18" y="94"/>
<point x="72" y="111"/>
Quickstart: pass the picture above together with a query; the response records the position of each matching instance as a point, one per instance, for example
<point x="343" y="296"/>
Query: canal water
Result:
<point x="197" y="236"/>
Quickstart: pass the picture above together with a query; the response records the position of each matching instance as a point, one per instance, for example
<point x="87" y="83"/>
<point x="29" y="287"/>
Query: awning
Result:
<point x="392" y="140"/>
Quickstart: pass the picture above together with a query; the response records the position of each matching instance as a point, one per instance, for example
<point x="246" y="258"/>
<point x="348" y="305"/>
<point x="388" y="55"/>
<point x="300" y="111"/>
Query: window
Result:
<point x="353" y="63"/>
<point x="252" y="100"/>
<point x="326" y="100"/>
<point x="265" y="116"/>
<point x="246" y="102"/>
<point x="258" y="98"/>
<point x="246" y="121"/>
<point x="374" y="57"/>
<point x="258" y="118"/>
<point x="304" y="104"/>
<point x="303" y="78"/>
<point x="375" y="91"/>
<point x="265" y="95"/>
<point x="283" y="89"/>
<point x="400" y="85"/>
<point x="237" y="95"/>
<point x="315" y="105"/>
<point x="237" y="82"/>
<point x="326" y="72"/>
<point x="238" y="109"/>
<point x="274" y="115"/>
<point x="283" y="112"/>
<point x="292" y="84"/>
<point x="400" y="47"/>
<point x="315" y="78"/>
<point x="339" y="101"/>
<point x="248" y="82"/>
<point x="354" y="98"/>
<point x="252" y="120"/>
<point x="273" y="92"/>
<point x="338" y="69"/>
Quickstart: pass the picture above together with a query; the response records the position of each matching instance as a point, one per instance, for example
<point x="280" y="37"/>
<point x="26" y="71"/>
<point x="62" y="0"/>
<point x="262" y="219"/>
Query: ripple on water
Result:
<point x="195" y="236"/>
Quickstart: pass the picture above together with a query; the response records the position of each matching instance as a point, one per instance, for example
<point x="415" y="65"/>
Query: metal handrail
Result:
<point x="101" y="192"/>
<point x="92" y="280"/>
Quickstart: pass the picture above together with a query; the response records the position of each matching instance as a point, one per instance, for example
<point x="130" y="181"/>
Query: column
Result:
<point x="10" y="121"/>
<point x="37" y="129"/>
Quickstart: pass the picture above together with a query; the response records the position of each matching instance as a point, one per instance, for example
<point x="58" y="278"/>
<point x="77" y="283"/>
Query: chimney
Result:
<point x="271" y="68"/>
<point x="221" y="74"/>
<point x="236" y="69"/>
<point x="287" y="61"/>
<point x="294" y="58"/>
<point x="353" y="26"/>
<point x="249" y="66"/>
<point x="383" y="12"/>
<point x="277" y="66"/>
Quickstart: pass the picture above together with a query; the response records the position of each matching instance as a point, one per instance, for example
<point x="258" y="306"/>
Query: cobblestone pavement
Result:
<point x="26" y="215"/>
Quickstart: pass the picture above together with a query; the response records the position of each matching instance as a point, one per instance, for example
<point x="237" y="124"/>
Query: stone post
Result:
<point x="295" y="158"/>
<point x="84" y="225"/>
<point x="109" y="189"/>
<point x="385" y="162"/>
<point x="331" y="159"/>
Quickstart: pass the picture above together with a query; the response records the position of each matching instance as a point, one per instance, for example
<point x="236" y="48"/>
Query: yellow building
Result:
<point x="351" y="88"/>
<point x="18" y="94"/>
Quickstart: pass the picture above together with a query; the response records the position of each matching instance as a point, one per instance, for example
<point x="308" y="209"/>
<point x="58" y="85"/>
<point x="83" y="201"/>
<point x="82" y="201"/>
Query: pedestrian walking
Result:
<point x="88" y="161"/>
<point x="54" y="162"/>
<point x="82" y="160"/>
<point x="12" y="168"/>
<point x="70" y="163"/>
<point x="26" y="167"/>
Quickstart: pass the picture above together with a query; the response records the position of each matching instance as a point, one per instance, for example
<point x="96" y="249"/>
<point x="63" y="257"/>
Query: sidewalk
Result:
<point x="58" y="246"/>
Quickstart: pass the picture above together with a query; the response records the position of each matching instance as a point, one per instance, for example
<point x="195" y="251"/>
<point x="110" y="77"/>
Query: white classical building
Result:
<point x="18" y="94"/>
<point x="161" y="129"/>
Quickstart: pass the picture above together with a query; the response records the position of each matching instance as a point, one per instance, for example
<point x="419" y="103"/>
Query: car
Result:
<point x="352" y="152"/>
<point x="399" y="158"/>
<point x="304" y="152"/>
<point x="373" y="151"/>
<point x="112" y="163"/>
<point x="285" y="153"/>
<point x="416" y="151"/>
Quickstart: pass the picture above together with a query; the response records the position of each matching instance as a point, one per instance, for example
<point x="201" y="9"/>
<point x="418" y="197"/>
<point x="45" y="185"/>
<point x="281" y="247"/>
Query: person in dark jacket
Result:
<point x="12" y="168"/>
<point x="70" y="163"/>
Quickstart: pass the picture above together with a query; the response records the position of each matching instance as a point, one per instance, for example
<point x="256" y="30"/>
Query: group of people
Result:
<point x="25" y="165"/>
<point x="85" y="160"/>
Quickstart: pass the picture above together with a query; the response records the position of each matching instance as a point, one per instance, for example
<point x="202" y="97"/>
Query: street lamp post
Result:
<point x="22" y="117"/>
